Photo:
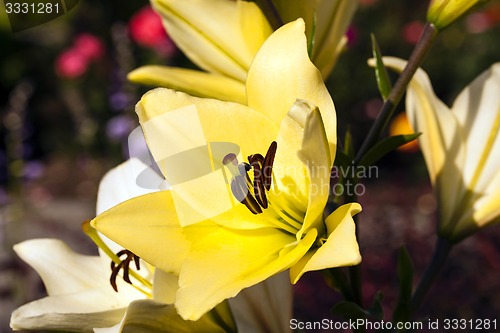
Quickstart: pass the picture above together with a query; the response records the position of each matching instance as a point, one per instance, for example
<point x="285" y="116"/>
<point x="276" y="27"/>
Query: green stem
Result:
<point x="339" y="281"/>
<point x="424" y="44"/>
<point x="355" y="281"/>
<point x="355" y="278"/>
<point x="441" y="252"/>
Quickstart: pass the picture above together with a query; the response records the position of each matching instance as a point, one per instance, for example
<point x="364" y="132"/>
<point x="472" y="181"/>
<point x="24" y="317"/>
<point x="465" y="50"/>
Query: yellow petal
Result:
<point x="333" y="19"/>
<point x="148" y="226"/>
<point x="316" y="156"/>
<point x="193" y="82"/>
<point x="254" y="25"/>
<point x="189" y="138"/>
<point x="290" y="175"/>
<point x="209" y="33"/>
<point x="282" y="73"/>
<point x="341" y="247"/>
<point x="225" y="261"/>
<point x="442" y="13"/>
<point x="442" y="141"/>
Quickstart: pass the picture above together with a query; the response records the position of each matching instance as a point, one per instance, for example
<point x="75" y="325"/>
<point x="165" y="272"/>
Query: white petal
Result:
<point x="62" y="270"/>
<point x="478" y="111"/>
<point x="113" y="329"/>
<point x="265" y="307"/>
<point x="442" y="141"/>
<point x="165" y="286"/>
<point x="81" y="311"/>
<point x="124" y="182"/>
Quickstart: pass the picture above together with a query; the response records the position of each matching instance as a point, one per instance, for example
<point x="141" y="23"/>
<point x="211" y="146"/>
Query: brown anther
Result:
<point x="124" y="264"/>
<point x="256" y="161"/>
<point x="267" y="165"/>
<point x="242" y="194"/>
<point x="262" y="177"/>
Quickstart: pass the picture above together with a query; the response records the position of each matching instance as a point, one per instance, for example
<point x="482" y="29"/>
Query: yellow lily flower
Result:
<point x="443" y="13"/>
<point x="461" y="147"/>
<point x="219" y="230"/>
<point x="223" y="36"/>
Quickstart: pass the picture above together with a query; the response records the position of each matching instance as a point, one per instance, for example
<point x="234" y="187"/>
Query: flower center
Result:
<point x="253" y="196"/>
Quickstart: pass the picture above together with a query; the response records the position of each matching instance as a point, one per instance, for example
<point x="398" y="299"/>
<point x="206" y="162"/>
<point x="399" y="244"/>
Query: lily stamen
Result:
<point x="267" y="165"/>
<point x="241" y="183"/>
<point x="124" y="264"/>
<point x="239" y="187"/>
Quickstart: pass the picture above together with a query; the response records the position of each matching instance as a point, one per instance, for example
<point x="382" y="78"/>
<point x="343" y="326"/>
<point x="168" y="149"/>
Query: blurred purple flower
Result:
<point x="119" y="127"/>
<point x="33" y="170"/>
<point x="119" y="101"/>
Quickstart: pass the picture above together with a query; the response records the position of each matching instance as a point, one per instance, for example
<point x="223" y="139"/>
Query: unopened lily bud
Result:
<point x="443" y="13"/>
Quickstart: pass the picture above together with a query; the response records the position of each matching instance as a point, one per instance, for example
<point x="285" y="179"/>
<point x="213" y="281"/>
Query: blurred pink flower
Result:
<point x="412" y="31"/>
<point x="478" y="23"/>
<point x="352" y="35"/>
<point x="90" y="46"/>
<point x="146" y="28"/>
<point x="71" y="64"/>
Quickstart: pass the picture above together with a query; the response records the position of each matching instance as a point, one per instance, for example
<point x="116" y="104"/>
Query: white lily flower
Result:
<point x="461" y="147"/>
<point x="80" y="296"/>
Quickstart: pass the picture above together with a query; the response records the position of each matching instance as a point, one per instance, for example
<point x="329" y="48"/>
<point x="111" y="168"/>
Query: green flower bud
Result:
<point x="443" y="13"/>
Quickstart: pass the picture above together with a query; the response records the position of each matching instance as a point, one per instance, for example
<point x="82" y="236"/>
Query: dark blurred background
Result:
<point x="66" y="110"/>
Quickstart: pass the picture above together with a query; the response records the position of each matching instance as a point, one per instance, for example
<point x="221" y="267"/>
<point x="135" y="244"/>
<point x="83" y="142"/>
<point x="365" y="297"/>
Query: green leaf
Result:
<point x="341" y="159"/>
<point x="337" y="280"/>
<point x="383" y="82"/>
<point x="350" y="310"/>
<point x="348" y="145"/>
<point x="376" y="309"/>
<point x="405" y="276"/>
<point x="385" y="146"/>
<point x="311" y="40"/>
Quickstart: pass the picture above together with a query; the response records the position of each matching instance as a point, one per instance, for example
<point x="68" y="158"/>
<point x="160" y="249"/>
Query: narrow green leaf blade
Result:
<point x="311" y="40"/>
<point x="350" y="310"/>
<point x="383" y="82"/>
<point x="385" y="146"/>
<point x="376" y="309"/>
<point x="405" y="276"/>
